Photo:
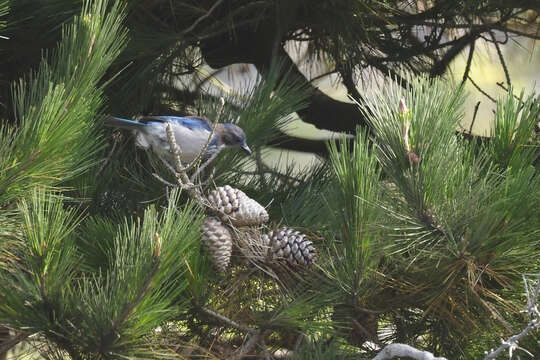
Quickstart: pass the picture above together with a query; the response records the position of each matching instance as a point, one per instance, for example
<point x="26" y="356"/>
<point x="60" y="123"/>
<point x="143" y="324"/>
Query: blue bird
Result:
<point x="191" y="133"/>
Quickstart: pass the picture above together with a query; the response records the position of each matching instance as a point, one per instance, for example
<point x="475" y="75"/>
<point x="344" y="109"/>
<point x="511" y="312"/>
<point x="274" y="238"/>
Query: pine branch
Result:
<point x="228" y="321"/>
<point x="179" y="171"/>
<point x="501" y="58"/>
<point x="440" y="66"/>
<point x="469" y="62"/>
<point x="253" y="341"/>
<point x="532" y="309"/>
<point x="203" y="17"/>
<point x="143" y="291"/>
<point x="482" y="91"/>
<point x="476" y="107"/>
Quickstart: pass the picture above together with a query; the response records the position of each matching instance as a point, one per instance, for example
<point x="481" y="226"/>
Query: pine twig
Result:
<point x="501" y="58"/>
<point x="255" y="339"/>
<point x="532" y="308"/>
<point x="164" y="181"/>
<point x="474" y="116"/>
<point x="501" y="85"/>
<point x="179" y="172"/>
<point x="469" y="62"/>
<point x="210" y="11"/>
<point x="512" y="342"/>
<point x="482" y="91"/>
<point x="228" y="321"/>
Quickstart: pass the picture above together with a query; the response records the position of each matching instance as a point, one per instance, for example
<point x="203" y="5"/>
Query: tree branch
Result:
<point x="189" y="29"/>
<point x="323" y="111"/>
<point x="501" y="58"/>
<point x="440" y="66"/>
<point x="255" y="338"/>
<point x="228" y="321"/>
<point x="532" y="308"/>
<point x="469" y="62"/>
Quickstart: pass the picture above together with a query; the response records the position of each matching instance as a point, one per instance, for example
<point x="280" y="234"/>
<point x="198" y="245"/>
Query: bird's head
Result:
<point x="233" y="136"/>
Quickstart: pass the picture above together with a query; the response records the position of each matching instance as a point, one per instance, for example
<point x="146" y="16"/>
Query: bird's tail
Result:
<point x="123" y="123"/>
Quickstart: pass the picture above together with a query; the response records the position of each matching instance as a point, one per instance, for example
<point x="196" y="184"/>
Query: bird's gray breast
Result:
<point x="190" y="141"/>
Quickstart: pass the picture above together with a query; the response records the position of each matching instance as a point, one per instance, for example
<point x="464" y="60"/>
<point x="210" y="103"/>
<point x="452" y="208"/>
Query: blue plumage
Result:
<point x="191" y="133"/>
<point x="192" y="123"/>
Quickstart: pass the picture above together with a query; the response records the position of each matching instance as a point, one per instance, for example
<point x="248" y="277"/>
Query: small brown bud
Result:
<point x="43" y="248"/>
<point x="402" y="106"/>
<point x="413" y="158"/>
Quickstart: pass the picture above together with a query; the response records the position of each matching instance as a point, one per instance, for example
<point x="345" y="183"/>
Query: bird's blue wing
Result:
<point x="192" y="122"/>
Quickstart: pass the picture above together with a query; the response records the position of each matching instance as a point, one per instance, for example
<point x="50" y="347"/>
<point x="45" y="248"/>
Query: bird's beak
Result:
<point x="246" y="148"/>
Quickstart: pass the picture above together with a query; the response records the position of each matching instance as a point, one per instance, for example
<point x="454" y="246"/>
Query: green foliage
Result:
<point x="4" y="10"/>
<point x="514" y="145"/>
<point x="98" y="261"/>
<point x="33" y="287"/>
<point x="352" y="255"/>
<point x="55" y="139"/>
<point x="141" y="287"/>
<point x="459" y="241"/>
<point x="106" y="311"/>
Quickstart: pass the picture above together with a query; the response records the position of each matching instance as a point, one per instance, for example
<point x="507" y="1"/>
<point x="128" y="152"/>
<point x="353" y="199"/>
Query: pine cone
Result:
<point x="237" y="206"/>
<point x="290" y="245"/>
<point x="217" y="241"/>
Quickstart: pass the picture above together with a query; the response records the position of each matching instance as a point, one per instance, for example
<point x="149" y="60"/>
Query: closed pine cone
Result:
<point x="218" y="242"/>
<point x="290" y="245"/>
<point x="237" y="207"/>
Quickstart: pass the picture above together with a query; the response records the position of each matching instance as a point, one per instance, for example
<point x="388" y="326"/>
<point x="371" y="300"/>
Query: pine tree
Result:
<point x="408" y="233"/>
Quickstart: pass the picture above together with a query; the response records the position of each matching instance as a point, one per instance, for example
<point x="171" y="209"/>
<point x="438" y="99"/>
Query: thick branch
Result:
<point x="440" y="66"/>
<point x="256" y="47"/>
